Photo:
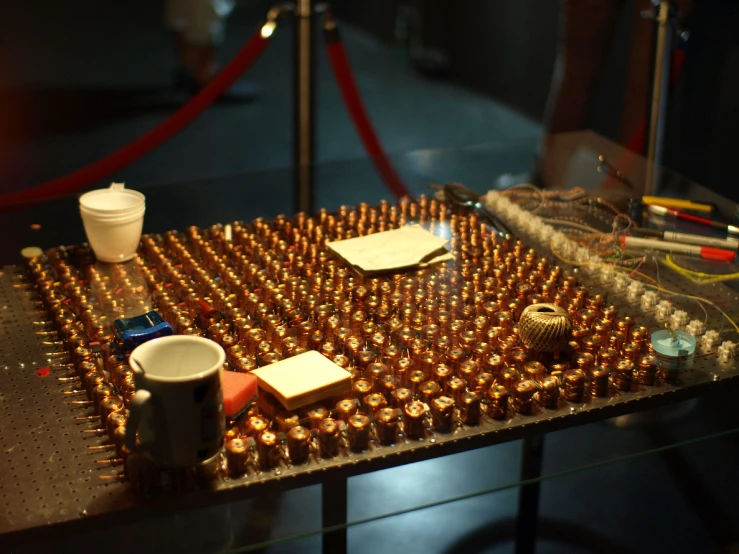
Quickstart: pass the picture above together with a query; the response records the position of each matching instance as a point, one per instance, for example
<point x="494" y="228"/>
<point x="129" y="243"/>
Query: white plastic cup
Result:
<point x="113" y="219"/>
<point x="115" y="200"/>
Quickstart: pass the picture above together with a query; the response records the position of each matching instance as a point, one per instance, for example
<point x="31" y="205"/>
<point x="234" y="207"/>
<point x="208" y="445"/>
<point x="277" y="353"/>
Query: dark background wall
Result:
<point x="85" y="85"/>
<point x="507" y="49"/>
<point x="500" y="47"/>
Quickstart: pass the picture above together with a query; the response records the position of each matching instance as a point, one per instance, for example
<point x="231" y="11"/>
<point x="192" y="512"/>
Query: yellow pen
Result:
<point x="676" y="203"/>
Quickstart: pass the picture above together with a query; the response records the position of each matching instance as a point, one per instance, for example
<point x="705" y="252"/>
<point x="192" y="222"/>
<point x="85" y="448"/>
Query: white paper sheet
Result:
<point x="409" y="246"/>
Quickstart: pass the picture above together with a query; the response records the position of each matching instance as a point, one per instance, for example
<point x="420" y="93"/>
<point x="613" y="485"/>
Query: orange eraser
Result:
<point x="238" y="390"/>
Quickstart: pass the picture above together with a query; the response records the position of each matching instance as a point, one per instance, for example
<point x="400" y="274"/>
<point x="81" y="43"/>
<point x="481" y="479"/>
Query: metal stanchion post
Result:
<point x="658" y="105"/>
<point x="304" y="106"/>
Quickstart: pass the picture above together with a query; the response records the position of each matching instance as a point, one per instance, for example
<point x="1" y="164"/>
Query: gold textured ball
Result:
<point x="544" y="327"/>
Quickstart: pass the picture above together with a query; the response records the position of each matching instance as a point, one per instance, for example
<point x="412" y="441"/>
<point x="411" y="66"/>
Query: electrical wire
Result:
<point x="572" y="224"/>
<point x="699" y="277"/>
<point x="698" y="298"/>
<point x="537" y="190"/>
<point x="659" y="283"/>
<point x="656" y="286"/>
<point x="605" y="245"/>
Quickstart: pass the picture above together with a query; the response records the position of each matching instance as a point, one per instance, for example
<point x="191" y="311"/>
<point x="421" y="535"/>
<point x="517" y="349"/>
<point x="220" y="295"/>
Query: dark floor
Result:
<point x="681" y="499"/>
<point x="65" y="102"/>
<point x="80" y="82"/>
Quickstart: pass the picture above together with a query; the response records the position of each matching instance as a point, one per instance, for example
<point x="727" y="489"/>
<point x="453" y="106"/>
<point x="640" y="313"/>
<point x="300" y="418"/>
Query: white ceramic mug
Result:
<point x="177" y="410"/>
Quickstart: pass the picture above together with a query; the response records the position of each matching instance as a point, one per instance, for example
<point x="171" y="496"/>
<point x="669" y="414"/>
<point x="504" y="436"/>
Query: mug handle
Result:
<point x="138" y="403"/>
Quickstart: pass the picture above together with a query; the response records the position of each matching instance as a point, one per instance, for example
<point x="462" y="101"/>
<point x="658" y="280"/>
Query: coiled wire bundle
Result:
<point x="544" y="327"/>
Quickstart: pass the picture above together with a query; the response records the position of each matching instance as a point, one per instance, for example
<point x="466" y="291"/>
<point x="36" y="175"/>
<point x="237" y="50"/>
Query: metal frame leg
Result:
<point x="333" y="512"/>
<point x="304" y="107"/>
<point x="660" y="89"/>
<point x="528" y="495"/>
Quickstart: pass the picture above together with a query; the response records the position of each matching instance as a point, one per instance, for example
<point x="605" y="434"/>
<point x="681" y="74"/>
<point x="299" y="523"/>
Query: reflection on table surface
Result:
<point x="244" y="197"/>
<point x="571" y="160"/>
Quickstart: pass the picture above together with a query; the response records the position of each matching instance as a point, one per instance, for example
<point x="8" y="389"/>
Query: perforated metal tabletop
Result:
<point x="51" y="482"/>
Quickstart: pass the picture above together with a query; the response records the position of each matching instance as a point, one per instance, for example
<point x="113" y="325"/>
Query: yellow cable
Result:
<point x="698" y="298"/>
<point x="682" y="271"/>
<point x="698" y="276"/>
<point x="657" y="286"/>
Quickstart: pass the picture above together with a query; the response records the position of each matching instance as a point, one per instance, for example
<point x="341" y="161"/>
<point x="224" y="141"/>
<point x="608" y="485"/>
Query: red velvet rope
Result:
<point x="119" y="159"/>
<point x="358" y="113"/>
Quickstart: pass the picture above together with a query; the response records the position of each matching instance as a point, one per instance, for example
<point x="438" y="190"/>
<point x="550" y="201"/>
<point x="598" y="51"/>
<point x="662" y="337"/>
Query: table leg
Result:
<point x="528" y="495"/>
<point x="304" y="102"/>
<point x="334" y="511"/>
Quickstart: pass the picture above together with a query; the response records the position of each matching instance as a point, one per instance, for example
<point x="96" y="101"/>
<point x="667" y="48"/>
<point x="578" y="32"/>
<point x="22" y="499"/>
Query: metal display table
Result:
<point x="52" y="486"/>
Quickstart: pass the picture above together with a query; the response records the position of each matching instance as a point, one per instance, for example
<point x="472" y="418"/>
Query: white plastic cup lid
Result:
<point x="114" y="199"/>
<point x="111" y="215"/>
<point x="94" y="218"/>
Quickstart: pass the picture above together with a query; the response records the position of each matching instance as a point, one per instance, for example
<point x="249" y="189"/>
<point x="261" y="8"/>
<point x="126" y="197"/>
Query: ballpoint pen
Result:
<point x="705" y="252"/>
<point x="661" y="210"/>
<point x="687" y="238"/>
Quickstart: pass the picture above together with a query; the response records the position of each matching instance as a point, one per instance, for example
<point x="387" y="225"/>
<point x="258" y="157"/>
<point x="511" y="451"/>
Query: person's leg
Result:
<point x="176" y="18"/>
<point x="199" y="27"/>
<point x="429" y="44"/>
<point x="585" y="30"/>
<point x="639" y="74"/>
<point x="204" y="32"/>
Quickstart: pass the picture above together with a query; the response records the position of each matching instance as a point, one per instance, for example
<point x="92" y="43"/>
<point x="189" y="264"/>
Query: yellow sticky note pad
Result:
<point x="303" y="379"/>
